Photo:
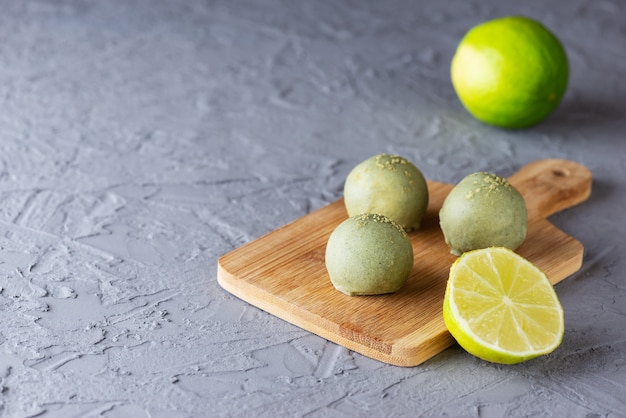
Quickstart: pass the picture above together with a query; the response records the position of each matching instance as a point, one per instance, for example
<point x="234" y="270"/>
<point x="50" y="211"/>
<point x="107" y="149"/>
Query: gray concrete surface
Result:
<point x="140" y="140"/>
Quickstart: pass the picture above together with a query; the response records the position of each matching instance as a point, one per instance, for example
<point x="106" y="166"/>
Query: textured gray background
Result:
<point x="142" y="140"/>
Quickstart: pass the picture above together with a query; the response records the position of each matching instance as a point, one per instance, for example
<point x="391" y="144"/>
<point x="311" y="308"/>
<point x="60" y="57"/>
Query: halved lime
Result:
<point x="502" y="308"/>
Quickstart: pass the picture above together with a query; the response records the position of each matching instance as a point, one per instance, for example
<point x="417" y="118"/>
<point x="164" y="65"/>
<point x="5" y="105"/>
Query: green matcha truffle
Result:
<point x="368" y="254"/>
<point x="389" y="185"/>
<point x="482" y="211"/>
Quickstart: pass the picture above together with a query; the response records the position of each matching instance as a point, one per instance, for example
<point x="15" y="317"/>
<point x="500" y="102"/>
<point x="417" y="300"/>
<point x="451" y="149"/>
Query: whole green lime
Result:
<point x="510" y="72"/>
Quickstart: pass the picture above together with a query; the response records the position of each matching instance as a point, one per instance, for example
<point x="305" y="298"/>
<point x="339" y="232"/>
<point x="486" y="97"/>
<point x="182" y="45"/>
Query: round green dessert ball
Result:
<point x="483" y="210"/>
<point x="389" y="185"/>
<point x="368" y="254"/>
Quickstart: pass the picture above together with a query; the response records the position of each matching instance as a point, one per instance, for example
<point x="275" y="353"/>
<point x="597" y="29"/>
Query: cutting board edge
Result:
<point x="394" y="354"/>
<point x="579" y="257"/>
<point x="576" y="258"/>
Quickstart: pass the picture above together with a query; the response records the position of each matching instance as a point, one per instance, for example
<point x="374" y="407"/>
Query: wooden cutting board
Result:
<point x="284" y="273"/>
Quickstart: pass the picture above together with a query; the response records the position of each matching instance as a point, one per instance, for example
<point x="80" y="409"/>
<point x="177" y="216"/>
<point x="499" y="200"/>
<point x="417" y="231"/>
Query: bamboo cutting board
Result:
<point x="284" y="273"/>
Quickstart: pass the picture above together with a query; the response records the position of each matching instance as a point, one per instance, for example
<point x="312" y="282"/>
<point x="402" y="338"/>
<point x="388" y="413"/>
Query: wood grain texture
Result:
<point x="284" y="273"/>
